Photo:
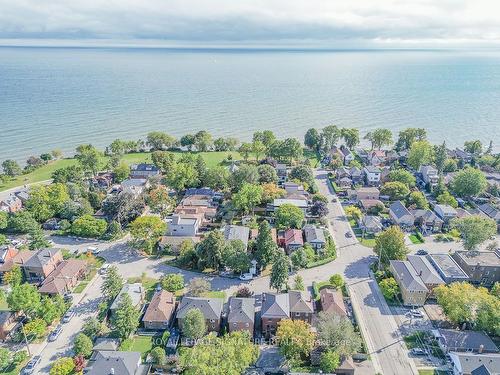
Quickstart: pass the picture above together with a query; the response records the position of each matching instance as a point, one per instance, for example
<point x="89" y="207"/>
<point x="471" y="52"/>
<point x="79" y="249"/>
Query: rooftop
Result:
<point x="407" y="276"/>
<point x="210" y="307"/>
<point x="314" y="234"/>
<point x="456" y="340"/>
<point x="399" y="210"/>
<point x="425" y="269"/>
<point x="241" y="310"/>
<point x="237" y="232"/>
<point x="41" y="258"/>
<point x="477" y="364"/>
<point x="135" y="291"/>
<point x="275" y="305"/>
<point x="480" y="258"/>
<point x="447" y="266"/>
<point x="160" y="308"/>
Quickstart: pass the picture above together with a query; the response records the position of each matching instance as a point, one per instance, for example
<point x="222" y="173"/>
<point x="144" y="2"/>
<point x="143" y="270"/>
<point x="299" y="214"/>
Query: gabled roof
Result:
<point x="445" y="209"/>
<point x="211" y="308"/>
<point x="122" y="363"/>
<point x="241" y="310"/>
<point x="332" y="301"/>
<point x="299" y="303"/>
<point x="405" y="273"/>
<point x="237" y="232"/>
<point x="426" y="215"/>
<point x="479" y="258"/>
<point x="399" y="210"/>
<point x="314" y="234"/>
<point x="459" y="341"/>
<point x="295" y="202"/>
<point x="425" y="270"/>
<point x="19" y="259"/>
<point x="143" y="167"/>
<point x="135" y="291"/>
<point x="160" y="308"/>
<point x="293" y="236"/>
<point x="59" y="279"/>
<point x="372" y="169"/>
<point x="200" y="191"/>
<point x="41" y="258"/>
<point x="275" y="305"/>
<point x="491" y="211"/>
<point x="370" y="221"/>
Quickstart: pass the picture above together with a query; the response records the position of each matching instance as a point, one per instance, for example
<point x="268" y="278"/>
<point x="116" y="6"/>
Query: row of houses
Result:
<point x="419" y="275"/>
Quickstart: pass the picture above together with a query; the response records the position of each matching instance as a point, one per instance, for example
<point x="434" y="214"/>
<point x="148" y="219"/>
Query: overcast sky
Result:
<point x="314" y="22"/>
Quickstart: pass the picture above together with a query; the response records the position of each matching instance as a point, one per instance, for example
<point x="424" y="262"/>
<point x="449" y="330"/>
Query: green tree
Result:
<point x="245" y="174"/>
<point x="390" y="245"/>
<point x="158" y="140"/>
<point x="182" y="176"/>
<point x="25" y="298"/>
<point x="267" y="137"/>
<point x="229" y="355"/>
<point x="350" y="136"/>
<point x="4" y="220"/>
<point x="5" y="358"/>
<point x="265" y="246"/>
<point x="488" y="313"/>
<point x="267" y="174"/>
<point x="312" y="139"/>
<point x="247" y="197"/>
<point x="92" y="327"/>
<point x="408" y="136"/>
<point x="172" y="282"/>
<point x="89" y="158"/>
<point x="217" y="178"/>
<point x="298" y="283"/>
<point x="440" y="156"/>
<point x="329" y="361"/>
<point x="51" y="309"/>
<point x="329" y="137"/>
<point x="395" y="190"/>
<point x="121" y="172"/>
<point x="245" y="150"/>
<point x="194" y="325"/>
<point x="418" y="199"/>
<point x="447" y="198"/>
<point x="203" y="140"/>
<point x="159" y="199"/>
<point x="450" y="165"/>
<point x="295" y="339"/>
<point x="389" y="288"/>
<point x="11" y="168"/>
<point x="198" y="286"/>
<point x="146" y="232"/>
<point x="337" y="281"/>
<point x="473" y="147"/>
<point x="421" y="153"/>
<point x="210" y="250"/>
<point x="475" y="230"/>
<point x="258" y="149"/>
<point x="112" y="283"/>
<point x="163" y="160"/>
<point x="469" y="182"/>
<point x="403" y="176"/>
<point x="339" y="333"/>
<point x="379" y="138"/>
<point x="19" y="357"/>
<point x="23" y="222"/>
<point x="37" y="240"/>
<point x="237" y="259"/>
<point x="289" y="216"/>
<point x="88" y="226"/>
<point x="35" y="328"/>
<point x="188" y="141"/>
<point x="14" y="277"/>
<point x="302" y="173"/>
<point x="279" y="271"/>
<point x="353" y="212"/>
<point x="83" y="345"/>
<point x="458" y="301"/>
<point x="158" y="355"/>
<point x="62" y="366"/>
<point x="125" y="317"/>
<point x="299" y="259"/>
<point x="270" y="192"/>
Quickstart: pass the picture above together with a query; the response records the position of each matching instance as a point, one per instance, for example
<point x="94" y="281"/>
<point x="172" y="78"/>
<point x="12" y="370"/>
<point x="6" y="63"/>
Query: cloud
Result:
<point x="380" y="21"/>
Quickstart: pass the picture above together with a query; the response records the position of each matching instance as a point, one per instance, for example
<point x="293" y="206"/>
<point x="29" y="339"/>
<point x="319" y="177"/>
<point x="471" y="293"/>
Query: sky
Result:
<point x="335" y="23"/>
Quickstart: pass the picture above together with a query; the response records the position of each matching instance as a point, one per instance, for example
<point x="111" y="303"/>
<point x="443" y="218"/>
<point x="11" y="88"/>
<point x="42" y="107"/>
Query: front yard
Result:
<point x="141" y="344"/>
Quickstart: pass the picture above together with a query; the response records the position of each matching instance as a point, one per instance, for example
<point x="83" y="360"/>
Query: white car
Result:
<point x="93" y="250"/>
<point x="104" y="269"/>
<point x="246" y="276"/>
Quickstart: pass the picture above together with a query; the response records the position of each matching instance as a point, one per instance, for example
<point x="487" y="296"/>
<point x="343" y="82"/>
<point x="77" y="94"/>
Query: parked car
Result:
<point x="68" y="297"/>
<point x="94" y="250"/>
<point x="422" y="252"/>
<point x="246" y="276"/>
<point x="418" y="351"/>
<point x="334" y="199"/>
<point x="415" y="314"/>
<point x="104" y="269"/>
<point x="68" y="316"/>
<point x="30" y="366"/>
<point x="348" y="234"/>
<point x="55" y="333"/>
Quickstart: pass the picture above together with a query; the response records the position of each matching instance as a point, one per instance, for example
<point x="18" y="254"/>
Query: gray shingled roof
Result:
<point x="425" y="269"/>
<point x="237" y="232"/>
<point x="123" y="363"/>
<point x="135" y="291"/>
<point x="399" y="210"/>
<point x="241" y="310"/>
<point x="299" y="303"/>
<point x="456" y="340"/>
<point x="275" y="305"/>
<point x="41" y="258"/>
<point x="314" y="234"/>
<point x="407" y="276"/>
<point x="210" y="307"/>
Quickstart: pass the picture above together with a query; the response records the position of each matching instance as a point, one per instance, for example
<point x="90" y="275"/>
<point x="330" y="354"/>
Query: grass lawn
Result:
<point x="45" y="172"/>
<point x="431" y="372"/>
<point x="3" y="305"/>
<point x="142" y="344"/>
<point x="215" y="294"/>
<point x="80" y="287"/>
<point x="414" y="239"/>
<point x="312" y="156"/>
<point x="368" y="242"/>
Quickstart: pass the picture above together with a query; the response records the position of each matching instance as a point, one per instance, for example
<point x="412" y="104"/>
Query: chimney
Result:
<point x="420" y="273"/>
<point x="481" y="348"/>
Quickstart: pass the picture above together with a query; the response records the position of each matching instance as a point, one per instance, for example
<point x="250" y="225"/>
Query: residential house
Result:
<point x="448" y="269"/>
<point x="116" y="362"/>
<point x="445" y="212"/>
<point x="400" y="215"/>
<point x="372" y="175"/>
<point x="183" y="225"/>
<point x="452" y="340"/>
<point x="425" y="271"/>
<point x="369" y="204"/>
<point x="7" y="253"/>
<point x="290" y="239"/>
<point x="64" y="278"/>
<point x="371" y="224"/>
<point x="293" y="188"/>
<point x="206" y="213"/>
<point x="482" y="267"/>
<point x="160" y="310"/>
<point x="332" y="301"/>
<point x="493" y="178"/>
<point x="363" y="193"/>
<point x="211" y="308"/>
<point x="300" y="203"/>
<point x="475" y="363"/>
<point x="241" y="315"/>
<point x="7" y="323"/>
<point x="315" y="237"/>
<point x="413" y="289"/>
<point x="347" y="155"/>
<point x="41" y="264"/>
<point x="237" y="232"/>
<point x="344" y="182"/>
<point x="275" y="307"/>
<point x="144" y="170"/>
<point x="11" y="204"/>
<point x="205" y="192"/>
<point x="464" y="156"/>
<point x="174" y="243"/>
<point x="106" y="344"/>
<point x="427" y="221"/>
<point x="356" y="175"/>
<point x="384" y="174"/>
<point x="301" y="307"/>
<point x="492" y="212"/>
<point x="134" y="186"/>
<point x="23" y="195"/>
<point x="14" y="258"/>
<point x="136" y="293"/>
<point x="429" y="175"/>
<point x="376" y="157"/>
<point x="282" y="172"/>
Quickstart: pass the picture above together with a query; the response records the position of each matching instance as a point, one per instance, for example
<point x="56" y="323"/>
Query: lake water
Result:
<point x="61" y="97"/>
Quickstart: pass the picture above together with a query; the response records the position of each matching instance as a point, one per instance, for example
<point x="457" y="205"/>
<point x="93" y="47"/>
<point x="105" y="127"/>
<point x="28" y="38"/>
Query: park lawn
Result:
<point x="41" y="174"/>
<point x="141" y="344"/>
<point x="44" y="173"/>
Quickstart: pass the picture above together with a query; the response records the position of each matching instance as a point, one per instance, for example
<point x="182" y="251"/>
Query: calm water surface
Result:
<point x="61" y="97"/>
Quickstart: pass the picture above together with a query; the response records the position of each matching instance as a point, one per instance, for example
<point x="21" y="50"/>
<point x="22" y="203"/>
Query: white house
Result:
<point x="445" y="212"/>
<point x="372" y="175"/>
<point x="429" y="174"/>
<point x="185" y="226"/>
<point x="400" y="215"/>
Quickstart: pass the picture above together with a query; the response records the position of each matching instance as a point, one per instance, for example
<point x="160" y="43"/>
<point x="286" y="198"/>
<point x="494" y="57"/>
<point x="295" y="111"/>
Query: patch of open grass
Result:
<point x="80" y="287"/>
<point x="431" y="372"/>
<point x="148" y="283"/>
<point x="312" y="156"/>
<point x="215" y="294"/>
<point x="142" y="344"/>
<point x="368" y="242"/>
<point x="414" y="239"/>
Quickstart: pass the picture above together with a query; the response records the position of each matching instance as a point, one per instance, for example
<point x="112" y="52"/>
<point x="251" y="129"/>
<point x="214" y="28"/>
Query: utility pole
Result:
<point x="25" y="339"/>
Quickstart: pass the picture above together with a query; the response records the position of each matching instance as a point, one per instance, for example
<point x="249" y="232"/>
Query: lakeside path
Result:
<point x="385" y="345"/>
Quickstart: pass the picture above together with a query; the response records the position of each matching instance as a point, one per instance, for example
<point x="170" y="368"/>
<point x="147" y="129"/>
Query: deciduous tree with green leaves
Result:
<point x="379" y="138"/>
<point x="421" y="153"/>
<point x="211" y="249"/>
<point x="247" y="198"/>
<point x="112" y="284"/>
<point x="338" y="334"/>
<point x="390" y="245"/>
<point x="295" y="339"/>
<point x="172" y="282"/>
<point x="469" y="182"/>
<point x="125" y="317"/>
<point x="475" y="230"/>
<point x="389" y="288"/>
<point x="146" y="232"/>
<point x="403" y="176"/>
<point x="289" y="216"/>
<point x="193" y="324"/>
<point x="279" y="271"/>
<point x="62" y="366"/>
<point x="83" y="345"/>
<point x="395" y="190"/>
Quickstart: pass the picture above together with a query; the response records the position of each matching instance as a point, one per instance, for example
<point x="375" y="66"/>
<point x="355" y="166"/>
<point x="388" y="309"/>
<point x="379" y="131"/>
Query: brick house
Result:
<point x="241" y="316"/>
